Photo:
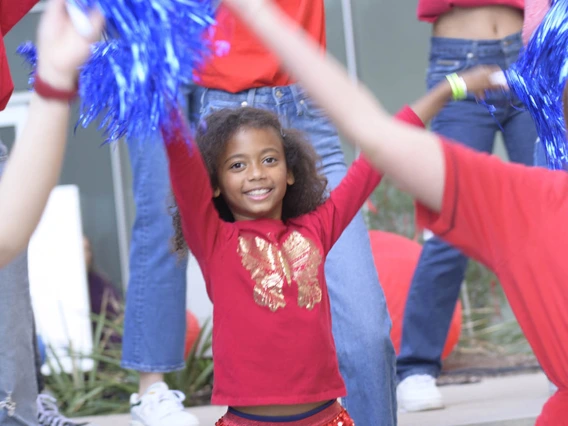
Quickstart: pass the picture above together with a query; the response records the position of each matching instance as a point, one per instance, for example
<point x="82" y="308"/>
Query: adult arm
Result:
<point x="411" y="157"/>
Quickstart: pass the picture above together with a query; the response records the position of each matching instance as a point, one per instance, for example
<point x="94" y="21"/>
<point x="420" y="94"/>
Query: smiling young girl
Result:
<point x="510" y="217"/>
<point x="255" y="214"/>
<point x="257" y="221"/>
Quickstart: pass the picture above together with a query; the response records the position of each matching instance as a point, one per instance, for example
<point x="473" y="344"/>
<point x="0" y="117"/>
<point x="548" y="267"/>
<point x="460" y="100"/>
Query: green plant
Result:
<point x="394" y="211"/>
<point x="487" y="321"/>
<point x="106" y="389"/>
<point x="196" y="379"/>
<point x="103" y="390"/>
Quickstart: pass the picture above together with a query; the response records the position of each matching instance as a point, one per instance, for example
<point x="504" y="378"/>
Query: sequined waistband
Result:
<point x="333" y="415"/>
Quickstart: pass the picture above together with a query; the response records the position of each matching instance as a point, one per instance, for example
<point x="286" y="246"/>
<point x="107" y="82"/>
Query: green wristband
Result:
<point x="458" y="86"/>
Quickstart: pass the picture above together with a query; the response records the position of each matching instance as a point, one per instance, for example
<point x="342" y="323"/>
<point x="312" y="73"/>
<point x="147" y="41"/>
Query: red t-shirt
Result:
<point x="248" y="63"/>
<point x="11" y="11"/>
<point x="430" y="10"/>
<point x="514" y="219"/>
<point x="272" y="339"/>
<point x="535" y="10"/>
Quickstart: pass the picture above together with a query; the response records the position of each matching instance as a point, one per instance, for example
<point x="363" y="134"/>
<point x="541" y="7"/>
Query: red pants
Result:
<point x="334" y="415"/>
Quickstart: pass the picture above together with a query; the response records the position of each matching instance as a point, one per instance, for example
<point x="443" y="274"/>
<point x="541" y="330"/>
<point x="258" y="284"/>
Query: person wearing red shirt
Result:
<point x="259" y="224"/>
<point x="465" y="33"/>
<point x="23" y="195"/>
<point x="249" y="75"/>
<point x="523" y="240"/>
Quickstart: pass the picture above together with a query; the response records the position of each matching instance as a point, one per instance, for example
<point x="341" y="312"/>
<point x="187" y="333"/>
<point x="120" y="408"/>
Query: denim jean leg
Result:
<point x="436" y="283"/>
<point x="429" y="309"/>
<point x="37" y="359"/>
<point x="154" y="325"/>
<point x="520" y="135"/>
<point x="18" y="385"/>
<point x="361" y="322"/>
<point x="440" y="271"/>
<point x="540" y="155"/>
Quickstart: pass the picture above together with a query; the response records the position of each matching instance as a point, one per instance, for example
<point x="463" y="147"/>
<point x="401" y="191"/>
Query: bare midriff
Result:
<point x="479" y="23"/>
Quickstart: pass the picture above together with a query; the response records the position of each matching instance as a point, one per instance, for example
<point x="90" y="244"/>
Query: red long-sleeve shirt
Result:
<point x="11" y="11"/>
<point x="272" y="339"/>
<point x="513" y="219"/>
<point x="249" y="64"/>
<point x="430" y="10"/>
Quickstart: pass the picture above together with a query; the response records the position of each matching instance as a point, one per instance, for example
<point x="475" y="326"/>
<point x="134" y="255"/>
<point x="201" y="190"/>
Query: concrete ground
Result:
<point x="503" y="401"/>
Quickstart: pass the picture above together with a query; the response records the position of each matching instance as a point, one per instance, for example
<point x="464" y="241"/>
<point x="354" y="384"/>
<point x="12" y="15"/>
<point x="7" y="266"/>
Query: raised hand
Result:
<point x="61" y="48"/>
<point x="482" y="78"/>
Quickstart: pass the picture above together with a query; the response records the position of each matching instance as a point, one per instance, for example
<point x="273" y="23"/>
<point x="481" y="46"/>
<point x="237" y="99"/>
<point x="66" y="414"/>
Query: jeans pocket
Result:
<point x="310" y="109"/>
<point x="209" y="107"/>
<point x="439" y="68"/>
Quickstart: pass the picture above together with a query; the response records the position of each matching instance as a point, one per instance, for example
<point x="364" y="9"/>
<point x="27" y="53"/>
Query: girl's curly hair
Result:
<point x="212" y="137"/>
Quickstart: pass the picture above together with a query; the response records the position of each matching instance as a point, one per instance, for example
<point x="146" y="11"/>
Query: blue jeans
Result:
<point x="540" y="155"/>
<point x="154" y="323"/>
<point x="440" y="271"/>
<point x="18" y="385"/>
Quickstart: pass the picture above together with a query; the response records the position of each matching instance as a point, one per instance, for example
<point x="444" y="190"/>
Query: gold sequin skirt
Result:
<point x="334" y="415"/>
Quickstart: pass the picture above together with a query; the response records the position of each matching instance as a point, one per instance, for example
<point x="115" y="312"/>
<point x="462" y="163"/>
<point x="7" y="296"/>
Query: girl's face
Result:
<point x="252" y="174"/>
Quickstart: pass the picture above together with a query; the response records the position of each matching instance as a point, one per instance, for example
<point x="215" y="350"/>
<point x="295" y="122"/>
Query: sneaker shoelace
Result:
<point x="49" y="415"/>
<point x="171" y="401"/>
<point x="425" y="381"/>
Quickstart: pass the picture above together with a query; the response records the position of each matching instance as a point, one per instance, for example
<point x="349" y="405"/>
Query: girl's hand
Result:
<point x="482" y="78"/>
<point x="61" y="48"/>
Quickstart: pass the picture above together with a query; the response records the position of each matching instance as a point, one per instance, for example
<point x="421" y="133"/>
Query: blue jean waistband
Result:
<point x="260" y="95"/>
<point x="283" y="419"/>
<point x="457" y="47"/>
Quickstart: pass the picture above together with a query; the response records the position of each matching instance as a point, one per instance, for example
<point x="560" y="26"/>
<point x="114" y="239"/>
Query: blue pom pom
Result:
<point x="29" y="53"/>
<point x="538" y="79"/>
<point x="136" y="76"/>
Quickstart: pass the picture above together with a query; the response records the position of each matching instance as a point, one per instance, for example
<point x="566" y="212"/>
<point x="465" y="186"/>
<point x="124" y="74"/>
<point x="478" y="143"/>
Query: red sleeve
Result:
<point x="11" y="11"/>
<point x="491" y="208"/>
<point x="6" y="83"/>
<point x="535" y="10"/>
<point x="347" y="199"/>
<point x="201" y="223"/>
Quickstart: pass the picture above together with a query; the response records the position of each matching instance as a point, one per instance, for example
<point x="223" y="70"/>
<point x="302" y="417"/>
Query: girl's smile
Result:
<point x="253" y="175"/>
<point x="259" y="194"/>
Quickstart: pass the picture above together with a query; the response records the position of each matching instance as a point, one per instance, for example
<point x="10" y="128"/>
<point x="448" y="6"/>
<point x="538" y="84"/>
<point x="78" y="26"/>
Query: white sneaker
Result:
<point x="160" y="406"/>
<point x="48" y="414"/>
<point x="419" y="393"/>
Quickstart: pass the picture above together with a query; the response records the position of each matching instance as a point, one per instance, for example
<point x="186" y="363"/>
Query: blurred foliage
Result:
<point x="489" y="323"/>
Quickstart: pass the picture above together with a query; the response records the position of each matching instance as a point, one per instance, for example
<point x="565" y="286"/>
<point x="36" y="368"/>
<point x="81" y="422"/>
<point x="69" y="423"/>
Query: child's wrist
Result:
<point x="57" y="79"/>
<point x="446" y="90"/>
<point x="55" y="86"/>
<point x="458" y="86"/>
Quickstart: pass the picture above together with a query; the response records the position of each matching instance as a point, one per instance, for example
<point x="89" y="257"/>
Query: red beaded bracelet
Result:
<point x="47" y="91"/>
